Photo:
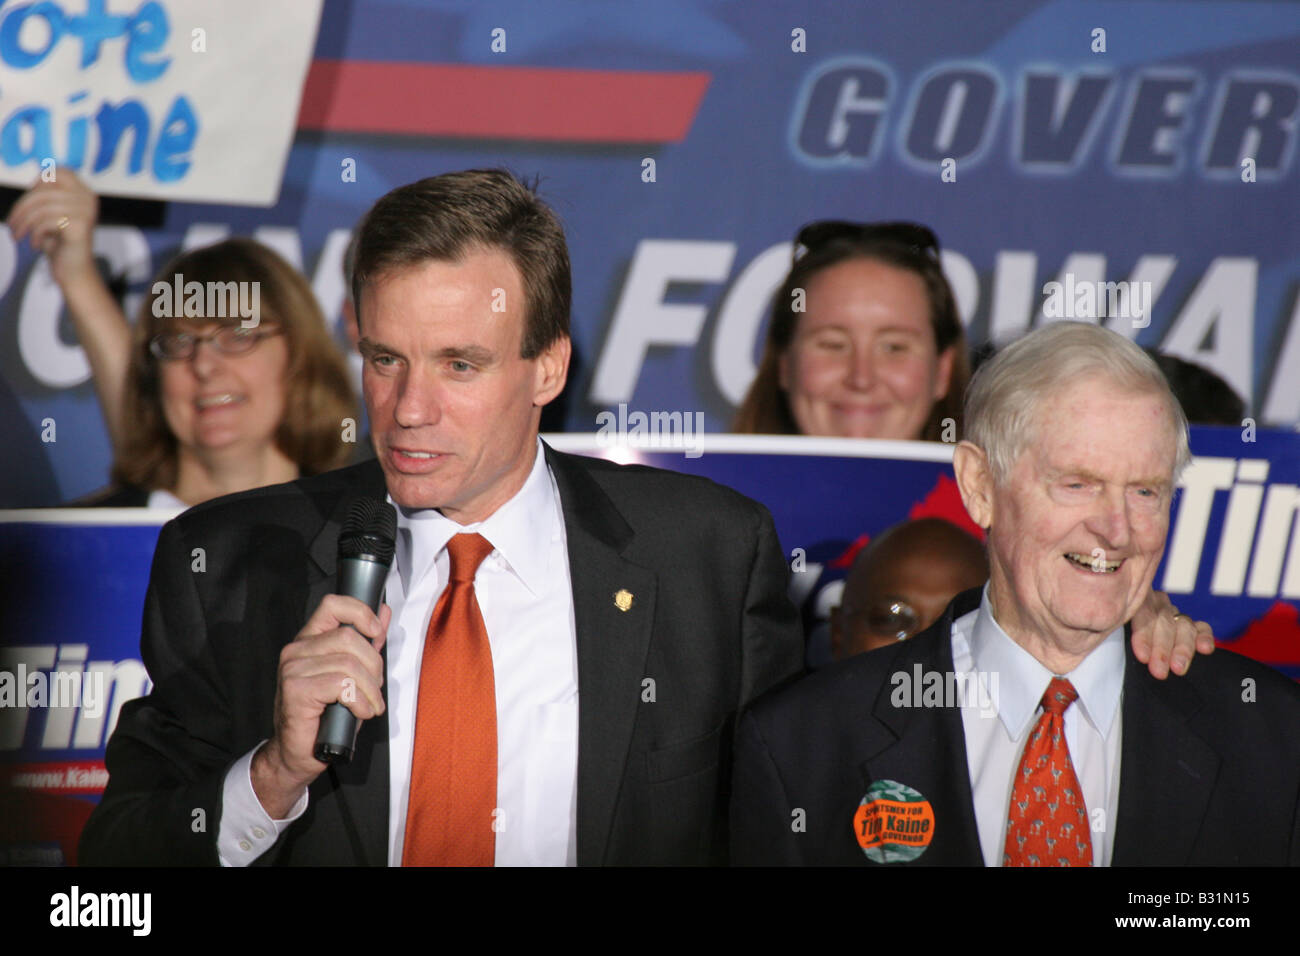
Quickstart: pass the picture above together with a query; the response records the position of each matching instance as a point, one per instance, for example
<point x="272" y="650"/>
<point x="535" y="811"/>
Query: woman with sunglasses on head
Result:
<point x="864" y="342"/>
<point x="198" y="405"/>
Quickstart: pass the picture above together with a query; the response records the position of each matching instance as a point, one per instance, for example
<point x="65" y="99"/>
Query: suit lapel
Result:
<point x="612" y="645"/>
<point x="362" y="786"/>
<point x="925" y="747"/>
<point x="1167" y="772"/>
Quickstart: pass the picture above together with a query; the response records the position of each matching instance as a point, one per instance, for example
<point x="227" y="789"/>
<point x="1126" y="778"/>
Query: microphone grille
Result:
<point x="370" y="529"/>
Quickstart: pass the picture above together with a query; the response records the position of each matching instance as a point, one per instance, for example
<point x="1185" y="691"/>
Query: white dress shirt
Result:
<point x="524" y="592"/>
<point x="526" y="598"/>
<point x="995" y="742"/>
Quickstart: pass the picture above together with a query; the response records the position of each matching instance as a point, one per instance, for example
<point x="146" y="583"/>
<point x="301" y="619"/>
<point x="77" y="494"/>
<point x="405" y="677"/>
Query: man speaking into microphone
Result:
<point x="564" y="643"/>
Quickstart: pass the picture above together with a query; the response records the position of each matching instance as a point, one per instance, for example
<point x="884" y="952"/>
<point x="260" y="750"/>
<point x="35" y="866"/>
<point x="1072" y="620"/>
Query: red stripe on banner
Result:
<point x="66" y="776"/>
<point x="500" y="102"/>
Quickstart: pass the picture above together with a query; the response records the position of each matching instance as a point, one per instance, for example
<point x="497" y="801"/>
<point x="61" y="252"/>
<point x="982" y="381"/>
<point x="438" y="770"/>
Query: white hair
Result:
<point x="1003" y="399"/>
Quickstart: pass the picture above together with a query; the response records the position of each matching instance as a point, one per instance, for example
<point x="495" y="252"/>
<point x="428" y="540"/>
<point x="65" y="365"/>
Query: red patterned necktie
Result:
<point x="453" y="794"/>
<point x="1047" y="824"/>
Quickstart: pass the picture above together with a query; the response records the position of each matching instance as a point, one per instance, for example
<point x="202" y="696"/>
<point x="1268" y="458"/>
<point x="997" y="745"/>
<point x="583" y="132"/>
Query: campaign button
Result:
<point x="894" y="823"/>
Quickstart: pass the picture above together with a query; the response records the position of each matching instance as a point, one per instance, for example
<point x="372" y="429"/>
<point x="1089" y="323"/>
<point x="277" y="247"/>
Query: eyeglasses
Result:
<point x="913" y="235"/>
<point x="228" y="340"/>
<point x="896" y="619"/>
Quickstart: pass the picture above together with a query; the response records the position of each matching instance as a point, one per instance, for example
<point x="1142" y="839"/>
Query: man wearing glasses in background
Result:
<point x="901" y="582"/>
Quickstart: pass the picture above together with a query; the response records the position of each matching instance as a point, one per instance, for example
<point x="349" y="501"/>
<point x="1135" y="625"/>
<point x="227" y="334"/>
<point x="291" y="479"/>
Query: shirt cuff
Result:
<point x="247" y="830"/>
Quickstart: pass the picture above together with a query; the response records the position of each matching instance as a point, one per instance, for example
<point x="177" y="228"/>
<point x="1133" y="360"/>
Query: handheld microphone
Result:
<point x="366" y="548"/>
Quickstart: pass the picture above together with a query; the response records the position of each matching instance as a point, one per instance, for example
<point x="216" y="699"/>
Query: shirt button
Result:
<point x="258" y="832"/>
<point x="245" y="845"/>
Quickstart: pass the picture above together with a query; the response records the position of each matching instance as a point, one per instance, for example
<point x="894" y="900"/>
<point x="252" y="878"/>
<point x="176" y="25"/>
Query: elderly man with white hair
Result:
<point x="1020" y="730"/>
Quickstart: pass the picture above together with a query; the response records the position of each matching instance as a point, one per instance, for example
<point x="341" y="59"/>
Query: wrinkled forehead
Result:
<point x="1099" y="427"/>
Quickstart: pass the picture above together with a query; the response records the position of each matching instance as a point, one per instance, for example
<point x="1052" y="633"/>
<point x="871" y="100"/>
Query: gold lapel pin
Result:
<point x="623" y="599"/>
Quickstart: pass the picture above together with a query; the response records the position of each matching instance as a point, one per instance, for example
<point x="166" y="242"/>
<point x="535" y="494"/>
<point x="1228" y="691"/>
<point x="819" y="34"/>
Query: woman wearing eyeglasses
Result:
<point x="864" y="342"/>
<point x="198" y="405"/>
<point x="212" y="407"/>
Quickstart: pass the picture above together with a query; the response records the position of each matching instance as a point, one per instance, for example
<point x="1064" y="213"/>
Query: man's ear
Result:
<point x="552" y="370"/>
<point x="837" y="632"/>
<point x="975" y="481"/>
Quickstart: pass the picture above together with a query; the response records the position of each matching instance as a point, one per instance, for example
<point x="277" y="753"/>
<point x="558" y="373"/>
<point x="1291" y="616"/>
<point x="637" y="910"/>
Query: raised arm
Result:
<point x="60" y="218"/>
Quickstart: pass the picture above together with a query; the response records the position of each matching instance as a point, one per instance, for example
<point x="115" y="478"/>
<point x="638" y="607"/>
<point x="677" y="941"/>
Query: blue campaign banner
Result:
<point x="73" y="595"/>
<point x="1059" y="149"/>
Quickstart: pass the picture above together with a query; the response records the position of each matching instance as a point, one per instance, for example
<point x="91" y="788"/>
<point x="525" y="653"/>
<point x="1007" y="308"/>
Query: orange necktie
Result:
<point x="1047" y="824"/>
<point x="449" y="815"/>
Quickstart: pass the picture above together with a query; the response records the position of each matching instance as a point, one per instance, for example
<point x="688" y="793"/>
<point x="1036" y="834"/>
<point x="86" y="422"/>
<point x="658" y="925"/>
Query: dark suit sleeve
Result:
<point x="773" y="636"/>
<point x="762" y="820"/>
<point x="166" y="760"/>
<point x="773" y="653"/>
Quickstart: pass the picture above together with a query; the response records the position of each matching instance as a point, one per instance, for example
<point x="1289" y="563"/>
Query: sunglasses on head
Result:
<point x="909" y="234"/>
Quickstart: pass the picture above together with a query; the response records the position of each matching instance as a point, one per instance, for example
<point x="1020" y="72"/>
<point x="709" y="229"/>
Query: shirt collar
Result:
<point x="520" y="531"/>
<point x="1022" y="680"/>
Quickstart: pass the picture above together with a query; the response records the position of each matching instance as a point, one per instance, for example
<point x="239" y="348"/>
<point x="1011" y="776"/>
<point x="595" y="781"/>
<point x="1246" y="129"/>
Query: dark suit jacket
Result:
<point x="1205" y="777"/>
<point x="710" y="624"/>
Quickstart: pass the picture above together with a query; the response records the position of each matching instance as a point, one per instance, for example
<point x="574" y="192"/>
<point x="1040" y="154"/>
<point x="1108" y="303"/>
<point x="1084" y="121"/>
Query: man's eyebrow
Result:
<point x="1161" y="483"/>
<point x="1087" y="475"/>
<point x="1054" y="474"/>
<point x="367" y="347"/>
<point x="475" y="354"/>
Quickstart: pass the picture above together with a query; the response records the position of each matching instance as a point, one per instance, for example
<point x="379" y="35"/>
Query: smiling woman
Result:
<point x="864" y="340"/>
<point x="221" y="403"/>
<point x="228" y="381"/>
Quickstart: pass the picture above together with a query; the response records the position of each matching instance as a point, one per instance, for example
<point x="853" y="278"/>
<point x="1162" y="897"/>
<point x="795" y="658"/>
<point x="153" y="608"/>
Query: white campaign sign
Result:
<point x="162" y="99"/>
